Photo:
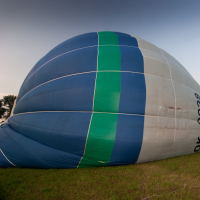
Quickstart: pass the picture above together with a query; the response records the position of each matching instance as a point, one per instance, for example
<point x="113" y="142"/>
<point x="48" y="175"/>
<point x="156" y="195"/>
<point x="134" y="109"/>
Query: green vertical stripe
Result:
<point x="108" y="38"/>
<point x="107" y="93"/>
<point x="102" y="131"/>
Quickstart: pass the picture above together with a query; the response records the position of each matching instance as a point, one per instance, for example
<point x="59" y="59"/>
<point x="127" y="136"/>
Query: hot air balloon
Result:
<point x="102" y="99"/>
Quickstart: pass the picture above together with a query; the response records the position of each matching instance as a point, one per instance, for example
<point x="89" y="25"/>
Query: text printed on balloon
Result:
<point x="197" y="148"/>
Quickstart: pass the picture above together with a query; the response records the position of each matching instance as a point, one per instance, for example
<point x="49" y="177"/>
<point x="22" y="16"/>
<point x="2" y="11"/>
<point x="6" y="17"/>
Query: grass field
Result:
<point x="175" y="178"/>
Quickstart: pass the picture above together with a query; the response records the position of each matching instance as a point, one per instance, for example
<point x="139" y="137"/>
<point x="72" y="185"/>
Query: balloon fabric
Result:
<point x="102" y="99"/>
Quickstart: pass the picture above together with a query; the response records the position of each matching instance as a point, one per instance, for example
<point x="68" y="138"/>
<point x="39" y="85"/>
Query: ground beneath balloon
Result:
<point x="175" y="178"/>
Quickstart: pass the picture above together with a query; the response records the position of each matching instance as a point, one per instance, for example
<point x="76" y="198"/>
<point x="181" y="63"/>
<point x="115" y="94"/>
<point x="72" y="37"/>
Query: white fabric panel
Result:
<point x="171" y="58"/>
<point x="193" y="135"/>
<point x="182" y="99"/>
<point x="178" y="75"/>
<point x="169" y="130"/>
<point x="185" y="78"/>
<point x="147" y="45"/>
<point x="158" y="135"/>
<point x="157" y="139"/>
<point x="151" y="54"/>
<point x="187" y="131"/>
<point x="186" y="139"/>
<point x="156" y="67"/>
<point x="190" y="82"/>
<point x="159" y="96"/>
<point x="176" y="65"/>
<point x="161" y="138"/>
<point x="185" y="99"/>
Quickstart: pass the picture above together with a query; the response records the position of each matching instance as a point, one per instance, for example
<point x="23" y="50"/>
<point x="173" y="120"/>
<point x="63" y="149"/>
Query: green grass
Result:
<point x="122" y="182"/>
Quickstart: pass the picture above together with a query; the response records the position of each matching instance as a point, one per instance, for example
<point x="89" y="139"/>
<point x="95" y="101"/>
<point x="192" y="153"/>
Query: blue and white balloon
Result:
<point x="102" y="99"/>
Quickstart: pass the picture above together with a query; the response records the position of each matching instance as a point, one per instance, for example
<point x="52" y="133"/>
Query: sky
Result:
<point x="31" y="28"/>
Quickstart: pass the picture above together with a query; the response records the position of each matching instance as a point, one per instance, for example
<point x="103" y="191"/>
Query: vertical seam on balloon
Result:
<point x="90" y="119"/>
<point x="119" y="100"/>
<point x="86" y="140"/>
<point x="145" y="102"/>
<point x="92" y="105"/>
<point x="174" y="96"/>
<point x="7" y="159"/>
<point x="146" y="42"/>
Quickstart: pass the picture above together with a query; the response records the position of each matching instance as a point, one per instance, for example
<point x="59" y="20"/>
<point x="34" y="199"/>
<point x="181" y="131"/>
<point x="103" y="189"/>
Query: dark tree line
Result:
<point x="6" y="105"/>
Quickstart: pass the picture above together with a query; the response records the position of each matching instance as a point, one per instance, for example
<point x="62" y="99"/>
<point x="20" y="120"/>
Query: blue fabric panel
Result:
<point x="37" y="65"/>
<point x="129" y="134"/>
<point x="25" y="152"/>
<point x="125" y="152"/>
<point x="61" y="66"/>
<point x="65" y="131"/>
<point x="125" y="39"/>
<point x="80" y="41"/>
<point x="131" y="59"/>
<point x="128" y="140"/>
<point x="73" y="93"/>
<point x="3" y="161"/>
<point x="133" y="93"/>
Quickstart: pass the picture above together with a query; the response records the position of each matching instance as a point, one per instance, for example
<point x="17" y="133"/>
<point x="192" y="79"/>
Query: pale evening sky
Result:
<point x="31" y="28"/>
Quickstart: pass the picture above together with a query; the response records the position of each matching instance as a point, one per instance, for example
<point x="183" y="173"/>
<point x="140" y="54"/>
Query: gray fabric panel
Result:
<point x="159" y="93"/>
<point x="164" y="136"/>
<point x="152" y="54"/>
<point x="176" y="65"/>
<point x="172" y="61"/>
<point x="162" y="139"/>
<point x="159" y="119"/>
<point x="186" y="120"/>
<point x="178" y="75"/>
<point x="184" y="78"/>
<point x="147" y="45"/>
<point x="185" y="99"/>
<point x="185" y="139"/>
<point x="182" y="100"/>
<point x="190" y="82"/>
<point x="157" y="139"/>
<point x="168" y="56"/>
<point x="156" y="67"/>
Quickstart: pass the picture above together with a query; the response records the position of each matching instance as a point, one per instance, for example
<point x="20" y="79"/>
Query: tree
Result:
<point x="2" y="109"/>
<point x="7" y="104"/>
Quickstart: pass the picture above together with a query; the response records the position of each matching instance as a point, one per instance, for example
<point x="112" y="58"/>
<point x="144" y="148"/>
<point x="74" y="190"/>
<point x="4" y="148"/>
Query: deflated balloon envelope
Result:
<point x="102" y="99"/>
